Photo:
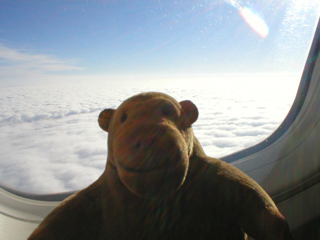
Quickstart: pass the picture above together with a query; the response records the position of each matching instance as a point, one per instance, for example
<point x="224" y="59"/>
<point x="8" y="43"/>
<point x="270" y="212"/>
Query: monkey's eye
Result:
<point x="167" y="110"/>
<point x="123" y="117"/>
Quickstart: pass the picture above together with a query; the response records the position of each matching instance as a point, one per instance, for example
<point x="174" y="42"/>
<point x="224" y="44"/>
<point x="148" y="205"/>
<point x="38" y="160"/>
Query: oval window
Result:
<point x="62" y="62"/>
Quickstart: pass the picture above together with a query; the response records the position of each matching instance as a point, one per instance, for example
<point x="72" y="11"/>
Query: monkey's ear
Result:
<point x="105" y="118"/>
<point x="190" y="110"/>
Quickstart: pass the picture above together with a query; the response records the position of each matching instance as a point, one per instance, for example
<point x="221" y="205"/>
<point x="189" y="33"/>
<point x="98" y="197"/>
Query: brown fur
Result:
<point x="159" y="184"/>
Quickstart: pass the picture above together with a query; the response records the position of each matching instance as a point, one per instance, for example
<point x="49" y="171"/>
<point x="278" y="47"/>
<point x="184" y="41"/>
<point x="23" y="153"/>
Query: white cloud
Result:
<point x="17" y="64"/>
<point x="50" y="140"/>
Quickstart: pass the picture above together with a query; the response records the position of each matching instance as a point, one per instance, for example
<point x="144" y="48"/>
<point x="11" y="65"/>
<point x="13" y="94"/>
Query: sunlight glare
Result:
<point x="254" y="21"/>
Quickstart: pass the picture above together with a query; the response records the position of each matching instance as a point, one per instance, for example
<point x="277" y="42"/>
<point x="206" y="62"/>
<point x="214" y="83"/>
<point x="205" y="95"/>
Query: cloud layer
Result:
<point x="50" y="140"/>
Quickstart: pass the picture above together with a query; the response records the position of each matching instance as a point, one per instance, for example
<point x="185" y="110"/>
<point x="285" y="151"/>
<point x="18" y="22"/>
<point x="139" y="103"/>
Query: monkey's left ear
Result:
<point x="105" y="118"/>
<point x="190" y="110"/>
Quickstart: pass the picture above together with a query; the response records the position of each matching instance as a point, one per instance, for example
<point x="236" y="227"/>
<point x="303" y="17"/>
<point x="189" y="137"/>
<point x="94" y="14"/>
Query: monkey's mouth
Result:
<point x="140" y="170"/>
<point x="153" y="182"/>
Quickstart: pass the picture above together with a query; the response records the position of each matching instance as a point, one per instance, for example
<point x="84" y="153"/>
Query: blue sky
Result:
<point x="49" y="38"/>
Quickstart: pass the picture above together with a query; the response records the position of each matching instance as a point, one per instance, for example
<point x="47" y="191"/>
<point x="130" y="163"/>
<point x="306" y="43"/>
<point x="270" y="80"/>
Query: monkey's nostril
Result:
<point x="144" y="143"/>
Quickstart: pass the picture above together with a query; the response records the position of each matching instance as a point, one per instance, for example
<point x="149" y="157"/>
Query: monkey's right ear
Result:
<point x="105" y="118"/>
<point x="190" y="110"/>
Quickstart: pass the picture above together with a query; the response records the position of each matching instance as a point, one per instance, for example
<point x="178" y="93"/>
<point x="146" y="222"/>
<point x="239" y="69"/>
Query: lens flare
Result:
<point x="254" y="21"/>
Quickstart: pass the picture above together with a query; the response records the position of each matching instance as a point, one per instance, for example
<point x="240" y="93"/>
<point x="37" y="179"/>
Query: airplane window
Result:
<point x="62" y="62"/>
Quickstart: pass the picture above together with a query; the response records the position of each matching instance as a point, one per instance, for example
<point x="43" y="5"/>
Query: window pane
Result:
<point x="62" y="63"/>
